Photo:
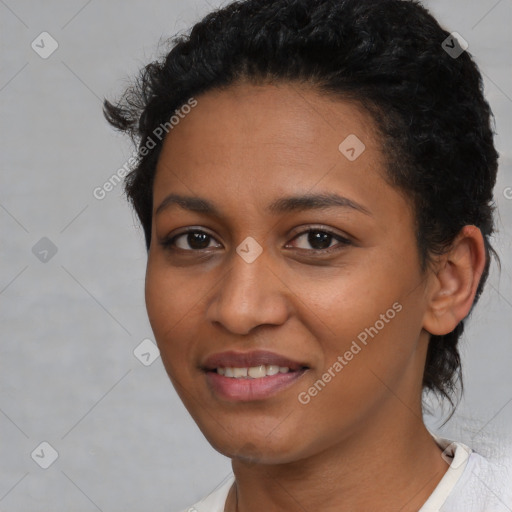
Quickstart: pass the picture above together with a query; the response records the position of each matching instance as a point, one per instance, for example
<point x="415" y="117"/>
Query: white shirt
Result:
<point x="471" y="484"/>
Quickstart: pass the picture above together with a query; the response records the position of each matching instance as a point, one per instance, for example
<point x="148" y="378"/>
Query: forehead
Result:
<point x="297" y="118"/>
<point x="246" y="145"/>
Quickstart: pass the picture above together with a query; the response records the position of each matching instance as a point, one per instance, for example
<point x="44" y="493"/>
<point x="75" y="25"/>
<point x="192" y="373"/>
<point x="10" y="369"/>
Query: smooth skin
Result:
<point x="360" y="444"/>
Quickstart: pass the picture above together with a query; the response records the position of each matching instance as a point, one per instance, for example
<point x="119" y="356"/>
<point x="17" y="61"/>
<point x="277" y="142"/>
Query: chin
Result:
<point x="256" y="447"/>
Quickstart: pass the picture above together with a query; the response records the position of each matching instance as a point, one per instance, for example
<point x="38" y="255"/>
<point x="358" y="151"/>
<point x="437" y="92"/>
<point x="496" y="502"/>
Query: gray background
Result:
<point x="70" y="324"/>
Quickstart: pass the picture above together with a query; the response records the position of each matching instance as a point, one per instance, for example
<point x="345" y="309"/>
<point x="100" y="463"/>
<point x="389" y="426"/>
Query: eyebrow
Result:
<point x="279" y="206"/>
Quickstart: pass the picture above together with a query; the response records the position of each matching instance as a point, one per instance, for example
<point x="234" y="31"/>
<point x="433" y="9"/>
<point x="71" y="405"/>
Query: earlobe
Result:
<point x="455" y="282"/>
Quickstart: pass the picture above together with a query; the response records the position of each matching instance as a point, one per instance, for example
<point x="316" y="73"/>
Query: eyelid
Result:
<point x="342" y="240"/>
<point x="324" y="229"/>
<point x="169" y="240"/>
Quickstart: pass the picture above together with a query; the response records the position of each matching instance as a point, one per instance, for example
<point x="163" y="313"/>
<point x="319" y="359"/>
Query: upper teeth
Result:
<point x="254" y="372"/>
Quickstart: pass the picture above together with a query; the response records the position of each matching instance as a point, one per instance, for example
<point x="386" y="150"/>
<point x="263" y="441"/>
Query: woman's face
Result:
<point x="327" y="285"/>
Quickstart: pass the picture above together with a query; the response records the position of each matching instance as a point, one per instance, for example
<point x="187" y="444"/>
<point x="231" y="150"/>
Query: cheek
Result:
<point x="171" y="296"/>
<point x="357" y="377"/>
<point x="160" y="306"/>
<point x="341" y="305"/>
<point x="170" y="306"/>
<point x="173" y="312"/>
<point x="369" y="319"/>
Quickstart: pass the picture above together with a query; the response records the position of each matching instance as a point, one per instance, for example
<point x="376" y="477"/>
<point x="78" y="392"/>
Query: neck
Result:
<point x="383" y="466"/>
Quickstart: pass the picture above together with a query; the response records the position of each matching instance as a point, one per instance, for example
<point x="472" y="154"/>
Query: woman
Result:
<point x="315" y="186"/>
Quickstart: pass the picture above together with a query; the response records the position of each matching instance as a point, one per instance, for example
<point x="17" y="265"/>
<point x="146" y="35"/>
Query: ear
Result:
<point x="454" y="285"/>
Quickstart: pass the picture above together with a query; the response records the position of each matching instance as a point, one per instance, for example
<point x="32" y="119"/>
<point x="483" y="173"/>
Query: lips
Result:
<point x="233" y="359"/>
<point x="250" y="376"/>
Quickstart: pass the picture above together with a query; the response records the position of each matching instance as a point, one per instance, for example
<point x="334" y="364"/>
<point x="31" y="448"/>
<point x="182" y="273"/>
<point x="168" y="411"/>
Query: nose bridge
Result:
<point x="249" y="294"/>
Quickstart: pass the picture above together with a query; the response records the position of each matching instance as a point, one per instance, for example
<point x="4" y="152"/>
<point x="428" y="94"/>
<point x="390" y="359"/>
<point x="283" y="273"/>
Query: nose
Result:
<point x="249" y="295"/>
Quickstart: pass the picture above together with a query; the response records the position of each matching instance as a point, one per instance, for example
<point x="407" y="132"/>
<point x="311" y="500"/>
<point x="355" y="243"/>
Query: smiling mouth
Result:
<point x="254" y="372"/>
<point x="255" y="364"/>
<point x="252" y="383"/>
<point x="244" y="377"/>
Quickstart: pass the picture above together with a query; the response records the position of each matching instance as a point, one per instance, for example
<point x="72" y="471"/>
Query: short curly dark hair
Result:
<point x="386" y="55"/>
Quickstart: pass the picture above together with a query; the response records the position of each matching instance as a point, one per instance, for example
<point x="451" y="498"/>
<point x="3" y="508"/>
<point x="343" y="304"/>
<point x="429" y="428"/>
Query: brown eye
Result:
<point x="190" y="240"/>
<point x="320" y="240"/>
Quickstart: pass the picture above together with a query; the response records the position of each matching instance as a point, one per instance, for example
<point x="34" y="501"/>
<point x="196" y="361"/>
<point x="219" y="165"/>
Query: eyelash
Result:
<point x="168" y="243"/>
